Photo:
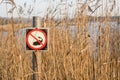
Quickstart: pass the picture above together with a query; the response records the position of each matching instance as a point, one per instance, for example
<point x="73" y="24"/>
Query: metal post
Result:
<point x="36" y="57"/>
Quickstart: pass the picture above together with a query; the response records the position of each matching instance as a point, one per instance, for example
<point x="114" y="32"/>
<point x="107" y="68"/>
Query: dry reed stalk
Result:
<point x="67" y="58"/>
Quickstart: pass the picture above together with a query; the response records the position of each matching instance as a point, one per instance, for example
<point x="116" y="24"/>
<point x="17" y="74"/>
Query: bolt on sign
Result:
<point x="36" y="39"/>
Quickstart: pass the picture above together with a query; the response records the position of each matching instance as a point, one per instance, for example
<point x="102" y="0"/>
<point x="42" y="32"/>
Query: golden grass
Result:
<point x="68" y="58"/>
<point x="8" y="27"/>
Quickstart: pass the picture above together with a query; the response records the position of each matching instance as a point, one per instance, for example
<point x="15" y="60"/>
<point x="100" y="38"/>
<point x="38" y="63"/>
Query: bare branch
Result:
<point x="96" y="8"/>
<point x="89" y="8"/>
<point x="11" y="10"/>
<point x="114" y="3"/>
<point x="10" y="2"/>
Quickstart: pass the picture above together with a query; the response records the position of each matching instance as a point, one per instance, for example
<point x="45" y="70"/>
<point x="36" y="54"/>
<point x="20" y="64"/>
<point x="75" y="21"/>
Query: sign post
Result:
<point x="36" y="39"/>
<point x="36" y="57"/>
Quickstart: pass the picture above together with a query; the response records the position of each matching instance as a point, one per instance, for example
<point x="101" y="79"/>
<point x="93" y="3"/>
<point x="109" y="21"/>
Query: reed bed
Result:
<point x="79" y="57"/>
<point x="68" y="58"/>
<point x="76" y="59"/>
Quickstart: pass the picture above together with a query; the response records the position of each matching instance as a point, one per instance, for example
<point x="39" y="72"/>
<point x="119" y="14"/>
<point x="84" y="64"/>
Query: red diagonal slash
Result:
<point x="37" y="39"/>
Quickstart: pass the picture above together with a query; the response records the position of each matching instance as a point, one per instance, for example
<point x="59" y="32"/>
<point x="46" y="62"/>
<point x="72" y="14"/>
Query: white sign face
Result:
<point x="36" y="39"/>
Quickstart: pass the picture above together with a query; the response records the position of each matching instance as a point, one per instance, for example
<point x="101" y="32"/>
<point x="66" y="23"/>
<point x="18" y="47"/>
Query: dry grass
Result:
<point x="68" y="58"/>
<point x="8" y="27"/>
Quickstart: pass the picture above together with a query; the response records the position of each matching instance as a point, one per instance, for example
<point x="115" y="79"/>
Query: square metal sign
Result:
<point x="37" y="39"/>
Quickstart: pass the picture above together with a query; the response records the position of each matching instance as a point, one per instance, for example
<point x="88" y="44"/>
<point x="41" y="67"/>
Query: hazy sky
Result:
<point x="41" y="7"/>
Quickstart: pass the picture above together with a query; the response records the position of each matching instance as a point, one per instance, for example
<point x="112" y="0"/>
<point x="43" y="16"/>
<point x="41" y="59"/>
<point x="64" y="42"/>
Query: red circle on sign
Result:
<point x="32" y="47"/>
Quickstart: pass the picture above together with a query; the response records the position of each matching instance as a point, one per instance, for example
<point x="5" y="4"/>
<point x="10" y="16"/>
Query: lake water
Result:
<point x="93" y="31"/>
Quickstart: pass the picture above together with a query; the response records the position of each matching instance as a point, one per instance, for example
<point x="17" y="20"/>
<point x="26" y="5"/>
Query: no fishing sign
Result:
<point x="36" y="39"/>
